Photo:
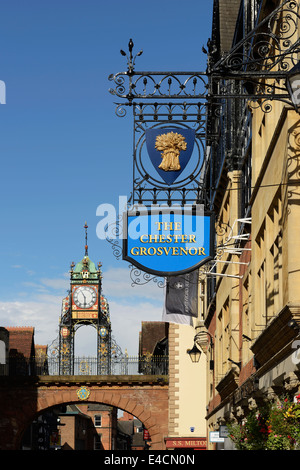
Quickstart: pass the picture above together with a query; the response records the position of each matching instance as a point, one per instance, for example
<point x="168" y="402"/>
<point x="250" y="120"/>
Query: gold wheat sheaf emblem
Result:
<point x="170" y="145"/>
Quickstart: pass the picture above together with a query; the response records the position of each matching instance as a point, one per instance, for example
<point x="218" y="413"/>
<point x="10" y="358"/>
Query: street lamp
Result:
<point x="293" y="86"/>
<point x="194" y="353"/>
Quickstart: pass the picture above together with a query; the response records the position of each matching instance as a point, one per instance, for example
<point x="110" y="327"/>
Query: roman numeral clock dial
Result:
<point x="84" y="297"/>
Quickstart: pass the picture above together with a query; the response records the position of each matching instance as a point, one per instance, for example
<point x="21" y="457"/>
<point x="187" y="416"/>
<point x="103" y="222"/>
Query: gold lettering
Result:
<point x="192" y="239"/>
<point x="141" y="238"/>
<point x="174" y="250"/>
<point x="153" y="238"/>
<point x="177" y="225"/>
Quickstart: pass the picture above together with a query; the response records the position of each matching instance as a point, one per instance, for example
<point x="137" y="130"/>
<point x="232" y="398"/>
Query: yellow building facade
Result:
<point x="252" y="309"/>
<point x="187" y="392"/>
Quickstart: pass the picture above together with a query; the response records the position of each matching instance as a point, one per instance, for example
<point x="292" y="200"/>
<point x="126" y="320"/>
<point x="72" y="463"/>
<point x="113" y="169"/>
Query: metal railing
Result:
<point x="125" y="365"/>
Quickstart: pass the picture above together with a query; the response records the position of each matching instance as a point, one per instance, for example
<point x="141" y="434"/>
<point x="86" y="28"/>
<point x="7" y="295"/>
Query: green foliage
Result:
<point x="274" y="426"/>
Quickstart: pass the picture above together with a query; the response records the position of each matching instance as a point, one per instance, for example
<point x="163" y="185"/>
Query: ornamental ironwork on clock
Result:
<point x="85" y="305"/>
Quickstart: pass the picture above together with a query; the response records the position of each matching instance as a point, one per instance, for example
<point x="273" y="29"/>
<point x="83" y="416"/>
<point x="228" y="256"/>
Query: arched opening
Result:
<point x="85" y="341"/>
<point x="85" y="426"/>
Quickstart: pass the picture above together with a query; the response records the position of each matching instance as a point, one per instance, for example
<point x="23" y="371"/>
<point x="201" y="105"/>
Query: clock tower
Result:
<point x="85" y="305"/>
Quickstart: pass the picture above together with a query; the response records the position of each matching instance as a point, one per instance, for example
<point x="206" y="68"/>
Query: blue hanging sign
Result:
<point x="168" y="241"/>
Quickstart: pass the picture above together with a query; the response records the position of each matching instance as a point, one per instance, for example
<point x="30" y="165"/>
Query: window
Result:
<point x="139" y="429"/>
<point x="268" y="255"/>
<point x="97" y="442"/>
<point x="275" y="255"/>
<point x="98" y="421"/>
<point x="223" y="332"/>
<point x="246" y="318"/>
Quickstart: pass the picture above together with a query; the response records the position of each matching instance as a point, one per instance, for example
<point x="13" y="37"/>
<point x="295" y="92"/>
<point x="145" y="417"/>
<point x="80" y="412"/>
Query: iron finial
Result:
<point x="86" y="245"/>
<point x="131" y="58"/>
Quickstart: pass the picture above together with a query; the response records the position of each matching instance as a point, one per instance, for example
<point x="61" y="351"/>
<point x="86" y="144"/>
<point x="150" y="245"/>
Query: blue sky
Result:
<point x="64" y="151"/>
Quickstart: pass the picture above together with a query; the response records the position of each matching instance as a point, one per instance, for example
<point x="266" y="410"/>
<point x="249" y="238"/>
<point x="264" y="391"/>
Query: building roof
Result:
<point x="85" y="263"/>
<point x="225" y="14"/>
<point x="21" y="340"/>
<point x="138" y="440"/>
<point x="99" y="407"/>
<point x="228" y="11"/>
<point x="72" y="410"/>
<point x="152" y="333"/>
<point x="125" y="427"/>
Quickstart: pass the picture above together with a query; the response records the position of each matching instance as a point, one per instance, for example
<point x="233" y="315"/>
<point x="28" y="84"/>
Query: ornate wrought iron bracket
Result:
<point x="253" y="74"/>
<point x="271" y="47"/>
<point x="254" y="69"/>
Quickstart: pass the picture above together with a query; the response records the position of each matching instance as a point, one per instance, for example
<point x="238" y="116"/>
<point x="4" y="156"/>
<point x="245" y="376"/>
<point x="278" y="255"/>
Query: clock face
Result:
<point x="84" y="297"/>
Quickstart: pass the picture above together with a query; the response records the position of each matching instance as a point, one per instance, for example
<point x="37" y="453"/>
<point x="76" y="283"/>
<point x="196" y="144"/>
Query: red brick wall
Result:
<point x="67" y="432"/>
<point x="108" y="427"/>
<point x="21" y="401"/>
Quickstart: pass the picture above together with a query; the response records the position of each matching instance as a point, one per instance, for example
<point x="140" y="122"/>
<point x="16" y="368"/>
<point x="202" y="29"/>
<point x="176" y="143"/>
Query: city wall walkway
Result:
<point x="22" y="399"/>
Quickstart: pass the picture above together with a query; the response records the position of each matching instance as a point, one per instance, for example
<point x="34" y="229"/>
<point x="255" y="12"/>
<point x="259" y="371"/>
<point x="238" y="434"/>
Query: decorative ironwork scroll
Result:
<point x="132" y="84"/>
<point x="255" y="68"/>
<point x="272" y="46"/>
<point x="252" y="74"/>
<point x="161" y="101"/>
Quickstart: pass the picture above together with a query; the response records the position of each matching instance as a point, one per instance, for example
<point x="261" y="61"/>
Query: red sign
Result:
<point x="146" y="435"/>
<point x="186" y="443"/>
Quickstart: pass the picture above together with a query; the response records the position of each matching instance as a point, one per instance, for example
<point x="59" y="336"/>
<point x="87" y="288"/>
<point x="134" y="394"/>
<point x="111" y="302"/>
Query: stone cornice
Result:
<point x="228" y="384"/>
<point x="277" y="335"/>
<point x="90" y="380"/>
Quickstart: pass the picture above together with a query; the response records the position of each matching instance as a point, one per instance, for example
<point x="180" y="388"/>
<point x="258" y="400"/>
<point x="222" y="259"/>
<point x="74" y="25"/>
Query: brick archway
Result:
<point x="145" y="398"/>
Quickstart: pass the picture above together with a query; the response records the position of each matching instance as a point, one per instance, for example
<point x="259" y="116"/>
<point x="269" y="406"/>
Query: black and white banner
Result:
<point x="181" y="298"/>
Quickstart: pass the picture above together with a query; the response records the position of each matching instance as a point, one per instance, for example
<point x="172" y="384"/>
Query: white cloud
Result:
<point x="56" y="283"/>
<point x="118" y="284"/>
<point x="129" y="307"/>
<point x="127" y="320"/>
<point x="42" y="315"/>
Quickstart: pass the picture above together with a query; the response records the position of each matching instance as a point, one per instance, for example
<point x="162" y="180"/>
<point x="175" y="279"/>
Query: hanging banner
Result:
<point x="168" y="241"/>
<point x="181" y="298"/>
